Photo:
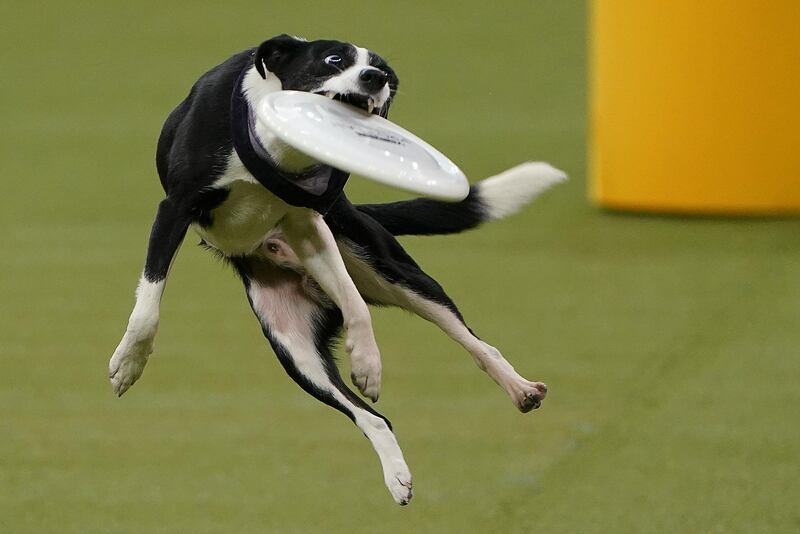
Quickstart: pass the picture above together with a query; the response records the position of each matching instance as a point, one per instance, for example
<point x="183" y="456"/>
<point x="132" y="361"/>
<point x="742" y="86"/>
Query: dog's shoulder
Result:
<point x="200" y="124"/>
<point x="210" y="94"/>
<point x="221" y="78"/>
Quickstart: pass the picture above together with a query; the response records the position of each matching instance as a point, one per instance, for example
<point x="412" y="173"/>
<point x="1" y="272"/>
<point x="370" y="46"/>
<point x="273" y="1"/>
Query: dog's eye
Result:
<point x="333" y="59"/>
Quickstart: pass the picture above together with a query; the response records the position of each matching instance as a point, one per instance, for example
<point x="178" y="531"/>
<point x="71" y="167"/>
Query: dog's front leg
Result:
<point x="311" y="239"/>
<point x="130" y="357"/>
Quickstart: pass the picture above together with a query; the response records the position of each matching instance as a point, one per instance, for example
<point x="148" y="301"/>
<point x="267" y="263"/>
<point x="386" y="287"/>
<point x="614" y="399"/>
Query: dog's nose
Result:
<point x="372" y="79"/>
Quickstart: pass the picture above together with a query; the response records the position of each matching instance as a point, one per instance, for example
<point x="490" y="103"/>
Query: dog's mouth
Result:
<point x="362" y="102"/>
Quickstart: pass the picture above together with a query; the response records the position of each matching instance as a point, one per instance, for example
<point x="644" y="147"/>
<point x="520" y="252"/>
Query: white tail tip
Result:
<point x="508" y="192"/>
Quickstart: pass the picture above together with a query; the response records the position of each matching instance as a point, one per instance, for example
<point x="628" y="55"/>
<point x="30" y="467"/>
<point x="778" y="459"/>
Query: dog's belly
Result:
<point x="241" y="223"/>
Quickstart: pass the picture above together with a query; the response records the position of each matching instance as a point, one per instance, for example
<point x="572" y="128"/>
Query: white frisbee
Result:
<point x="368" y="145"/>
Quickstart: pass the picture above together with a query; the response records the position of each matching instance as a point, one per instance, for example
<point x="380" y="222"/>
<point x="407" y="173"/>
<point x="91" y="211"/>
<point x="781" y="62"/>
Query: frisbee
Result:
<point x="349" y="139"/>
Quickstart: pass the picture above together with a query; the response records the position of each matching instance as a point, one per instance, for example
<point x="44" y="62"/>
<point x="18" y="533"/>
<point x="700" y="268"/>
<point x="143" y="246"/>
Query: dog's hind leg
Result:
<point x="385" y="274"/>
<point x="313" y="243"/>
<point x="300" y="329"/>
<point x="128" y="361"/>
<point x="525" y="395"/>
<point x="412" y="289"/>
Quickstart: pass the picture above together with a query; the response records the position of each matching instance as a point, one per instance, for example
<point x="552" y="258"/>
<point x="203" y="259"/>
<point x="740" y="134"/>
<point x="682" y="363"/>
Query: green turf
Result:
<point x="670" y="345"/>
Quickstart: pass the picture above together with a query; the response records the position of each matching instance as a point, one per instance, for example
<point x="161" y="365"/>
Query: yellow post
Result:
<point x="695" y="105"/>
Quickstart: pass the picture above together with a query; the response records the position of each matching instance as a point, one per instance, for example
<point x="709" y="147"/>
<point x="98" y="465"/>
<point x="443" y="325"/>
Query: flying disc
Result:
<point x="352" y="140"/>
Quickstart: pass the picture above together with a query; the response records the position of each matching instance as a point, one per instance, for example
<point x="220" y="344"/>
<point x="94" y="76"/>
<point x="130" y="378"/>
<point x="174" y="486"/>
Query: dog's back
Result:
<point x="200" y="124"/>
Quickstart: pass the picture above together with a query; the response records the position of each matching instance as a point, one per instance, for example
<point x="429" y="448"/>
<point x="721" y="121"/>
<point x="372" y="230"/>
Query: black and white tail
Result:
<point x="494" y="198"/>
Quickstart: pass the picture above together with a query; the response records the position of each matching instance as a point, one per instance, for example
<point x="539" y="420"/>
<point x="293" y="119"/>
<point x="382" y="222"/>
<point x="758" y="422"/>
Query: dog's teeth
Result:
<point x="370" y="106"/>
<point x="330" y="94"/>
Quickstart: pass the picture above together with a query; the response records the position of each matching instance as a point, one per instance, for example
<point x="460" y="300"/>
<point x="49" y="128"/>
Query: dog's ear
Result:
<point x="273" y="52"/>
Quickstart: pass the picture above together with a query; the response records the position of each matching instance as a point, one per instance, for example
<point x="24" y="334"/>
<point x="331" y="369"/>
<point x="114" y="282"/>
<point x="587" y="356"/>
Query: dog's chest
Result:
<point x="241" y="222"/>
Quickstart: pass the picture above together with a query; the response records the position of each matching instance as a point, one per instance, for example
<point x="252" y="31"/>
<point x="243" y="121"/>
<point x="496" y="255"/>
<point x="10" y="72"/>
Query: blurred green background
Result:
<point x="670" y="345"/>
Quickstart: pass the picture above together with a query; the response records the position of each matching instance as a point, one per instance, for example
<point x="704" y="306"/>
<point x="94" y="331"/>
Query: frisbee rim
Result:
<point x="444" y="181"/>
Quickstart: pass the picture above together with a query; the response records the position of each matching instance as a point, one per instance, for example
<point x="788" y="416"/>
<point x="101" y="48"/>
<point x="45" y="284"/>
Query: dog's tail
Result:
<point x="490" y="199"/>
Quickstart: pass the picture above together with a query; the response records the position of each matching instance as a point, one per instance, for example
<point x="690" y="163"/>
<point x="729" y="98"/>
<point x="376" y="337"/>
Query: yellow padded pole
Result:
<point x="695" y="105"/>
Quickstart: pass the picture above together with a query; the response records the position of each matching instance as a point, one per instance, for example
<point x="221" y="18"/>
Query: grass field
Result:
<point x="670" y="345"/>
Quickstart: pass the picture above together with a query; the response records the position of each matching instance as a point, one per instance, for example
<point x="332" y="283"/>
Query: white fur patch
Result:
<point x="144" y="318"/>
<point x="130" y="357"/>
<point x="255" y="88"/>
<point x="508" y="192"/>
<point x="246" y="216"/>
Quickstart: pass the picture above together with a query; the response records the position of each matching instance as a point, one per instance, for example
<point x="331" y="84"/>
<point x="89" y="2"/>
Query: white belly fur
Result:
<point x="241" y="223"/>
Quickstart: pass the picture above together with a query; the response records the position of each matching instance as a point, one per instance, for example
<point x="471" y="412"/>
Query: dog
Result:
<point x="310" y="260"/>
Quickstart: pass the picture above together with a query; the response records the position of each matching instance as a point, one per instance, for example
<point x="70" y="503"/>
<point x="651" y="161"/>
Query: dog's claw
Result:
<point x="400" y="487"/>
<point x="531" y="397"/>
<point x="368" y="388"/>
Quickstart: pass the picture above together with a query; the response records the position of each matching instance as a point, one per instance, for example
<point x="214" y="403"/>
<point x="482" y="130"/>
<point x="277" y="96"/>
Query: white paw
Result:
<point x="399" y="485"/>
<point x="365" y="364"/>
<point x="127" y="362"/>
<point x="528" y="395"/>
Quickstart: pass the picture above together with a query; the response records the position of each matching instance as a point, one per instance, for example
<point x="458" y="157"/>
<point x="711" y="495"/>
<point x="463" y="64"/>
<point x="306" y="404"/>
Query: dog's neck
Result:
<point x="293" y="177"/>
<point x="287" y="158"/>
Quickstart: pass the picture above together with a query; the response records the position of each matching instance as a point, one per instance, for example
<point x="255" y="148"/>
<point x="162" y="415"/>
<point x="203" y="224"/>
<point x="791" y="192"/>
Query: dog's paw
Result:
<point x="529" y="395"/>
<point x="127" y="363"/>
<point x="365" y="372"/>
<point x="365" y="365"/>
<point x="399" y="485"/>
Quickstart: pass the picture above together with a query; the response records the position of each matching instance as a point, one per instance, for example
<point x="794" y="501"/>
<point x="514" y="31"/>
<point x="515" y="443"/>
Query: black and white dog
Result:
<point x="309" y="259"/>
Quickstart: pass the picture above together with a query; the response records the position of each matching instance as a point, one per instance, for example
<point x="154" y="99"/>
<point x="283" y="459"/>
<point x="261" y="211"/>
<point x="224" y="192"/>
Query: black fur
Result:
<point x="424" y="216"/>
<point x="166" y="236"/>
<point x="196" y="139"/>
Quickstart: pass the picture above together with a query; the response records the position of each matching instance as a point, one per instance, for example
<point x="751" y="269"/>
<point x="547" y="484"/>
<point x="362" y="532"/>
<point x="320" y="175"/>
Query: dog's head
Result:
<point x="338" y="70"/>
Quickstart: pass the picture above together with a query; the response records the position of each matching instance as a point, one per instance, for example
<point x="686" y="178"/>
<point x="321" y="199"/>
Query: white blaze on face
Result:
<point x="347" y="81"/>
